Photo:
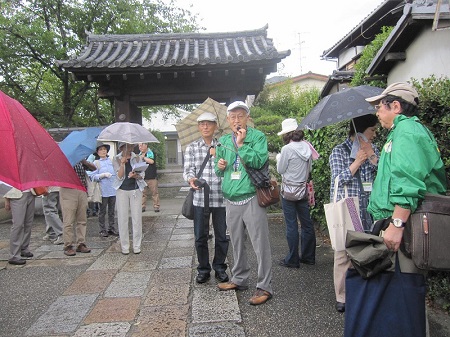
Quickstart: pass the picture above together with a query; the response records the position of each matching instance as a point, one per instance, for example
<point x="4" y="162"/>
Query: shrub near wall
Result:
<point x="434" y="95"/>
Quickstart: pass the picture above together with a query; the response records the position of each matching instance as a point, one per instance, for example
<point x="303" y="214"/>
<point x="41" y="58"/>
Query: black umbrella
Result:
<point x="340" y="106"/>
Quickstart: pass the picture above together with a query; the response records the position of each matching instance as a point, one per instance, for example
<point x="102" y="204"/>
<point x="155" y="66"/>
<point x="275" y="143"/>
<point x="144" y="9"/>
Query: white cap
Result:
<point x="207" y="116"/>
<point x="238" y="104"/>
<point x="288" y="125"/>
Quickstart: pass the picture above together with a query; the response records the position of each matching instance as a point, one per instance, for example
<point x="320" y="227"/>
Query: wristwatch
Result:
<point x="398" y="223"/>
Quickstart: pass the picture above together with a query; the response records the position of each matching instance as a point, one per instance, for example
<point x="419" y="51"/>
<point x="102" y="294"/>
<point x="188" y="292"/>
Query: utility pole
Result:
<point x="300" y="42"/>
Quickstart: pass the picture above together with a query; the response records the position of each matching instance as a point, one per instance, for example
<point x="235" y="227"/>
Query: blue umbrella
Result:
<point x="80" y="144"/>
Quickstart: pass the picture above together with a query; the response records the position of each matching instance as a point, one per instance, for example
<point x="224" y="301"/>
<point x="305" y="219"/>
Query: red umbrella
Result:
<point x="30" y="156"/>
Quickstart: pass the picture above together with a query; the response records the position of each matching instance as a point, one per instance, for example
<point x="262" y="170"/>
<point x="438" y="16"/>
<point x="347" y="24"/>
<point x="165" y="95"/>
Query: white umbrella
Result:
<point x="131" y="133"/>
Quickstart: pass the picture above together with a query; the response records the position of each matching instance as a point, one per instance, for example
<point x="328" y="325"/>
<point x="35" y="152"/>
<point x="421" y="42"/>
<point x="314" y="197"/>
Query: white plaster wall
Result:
<point x="429" y="54"/>
<point x="310" y="83"/>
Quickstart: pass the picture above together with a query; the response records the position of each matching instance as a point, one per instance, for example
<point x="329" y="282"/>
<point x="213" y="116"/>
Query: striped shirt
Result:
<point x="340" y="162"/>
<point x="193" y="159"/>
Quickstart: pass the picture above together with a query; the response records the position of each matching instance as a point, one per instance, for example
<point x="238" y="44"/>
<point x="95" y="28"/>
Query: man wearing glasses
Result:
<point x="244" y="147"/>
<point x="195" y="154"/>
<point x="409" y="167"/>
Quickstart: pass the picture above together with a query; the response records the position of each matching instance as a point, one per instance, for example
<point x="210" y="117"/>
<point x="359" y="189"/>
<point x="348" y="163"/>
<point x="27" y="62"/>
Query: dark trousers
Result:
<point x="201" y="231"/>
<point x="300" y="209"/>
<point x="110" y="203"/>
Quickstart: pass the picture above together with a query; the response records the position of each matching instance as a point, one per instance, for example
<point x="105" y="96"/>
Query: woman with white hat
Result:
<point x="294" y="164"/>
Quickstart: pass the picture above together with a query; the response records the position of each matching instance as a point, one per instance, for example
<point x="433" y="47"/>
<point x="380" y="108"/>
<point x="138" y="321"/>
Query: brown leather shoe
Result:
<point x="82" y="248"/>
<point x="230" y="286"/>
<point x="260" y="297"/>
<point x="69" y="251"/>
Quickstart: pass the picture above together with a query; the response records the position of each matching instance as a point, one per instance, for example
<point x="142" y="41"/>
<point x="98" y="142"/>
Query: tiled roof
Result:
<point x="156" y="51"/>
<point x="386" y="14"/>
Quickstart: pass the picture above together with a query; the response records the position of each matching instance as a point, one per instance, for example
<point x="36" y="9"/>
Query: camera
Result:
<point x="199" y="182"/>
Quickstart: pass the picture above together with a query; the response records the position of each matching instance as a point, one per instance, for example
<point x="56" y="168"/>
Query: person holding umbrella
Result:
<point x="194" y="159"/>
<point x="355" y="162"/>
<point x="129" y="185"/>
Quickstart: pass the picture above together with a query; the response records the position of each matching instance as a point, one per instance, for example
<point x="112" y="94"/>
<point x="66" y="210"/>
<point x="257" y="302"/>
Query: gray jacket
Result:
<point x="295" y="162"/>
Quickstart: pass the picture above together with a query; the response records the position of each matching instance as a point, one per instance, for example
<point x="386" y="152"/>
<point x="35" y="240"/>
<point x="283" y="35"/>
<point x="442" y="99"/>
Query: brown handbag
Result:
<point x="268" y="195"/>
<point x="426" y="237"/>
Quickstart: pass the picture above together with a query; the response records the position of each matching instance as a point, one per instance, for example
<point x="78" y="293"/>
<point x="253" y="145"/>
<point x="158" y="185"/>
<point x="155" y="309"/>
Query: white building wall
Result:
<point x="428" y="55"/>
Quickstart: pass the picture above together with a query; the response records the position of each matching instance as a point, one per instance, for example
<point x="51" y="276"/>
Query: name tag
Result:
<point x="236" y="175"/>
<point x="367" y="186"/>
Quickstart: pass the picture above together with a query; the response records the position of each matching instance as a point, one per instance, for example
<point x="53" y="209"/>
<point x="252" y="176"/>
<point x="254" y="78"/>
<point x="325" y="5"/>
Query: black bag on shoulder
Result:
<point x="187" y="210"/>
<point x="188" y="206"/>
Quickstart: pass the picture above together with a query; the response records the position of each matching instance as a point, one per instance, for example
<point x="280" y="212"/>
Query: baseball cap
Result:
<point x="207" y="116"/>
<point x="399" y="89"/>
<point x="238" y="104"/>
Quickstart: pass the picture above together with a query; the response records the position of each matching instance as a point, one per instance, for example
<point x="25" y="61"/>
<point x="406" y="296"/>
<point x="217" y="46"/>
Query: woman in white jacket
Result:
<point x="129" y="185"/>
<point x="294" y="164"/>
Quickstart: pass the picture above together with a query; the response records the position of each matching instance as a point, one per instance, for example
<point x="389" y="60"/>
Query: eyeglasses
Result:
<point x="378" y="106"/>
<point x="237" y="117"/>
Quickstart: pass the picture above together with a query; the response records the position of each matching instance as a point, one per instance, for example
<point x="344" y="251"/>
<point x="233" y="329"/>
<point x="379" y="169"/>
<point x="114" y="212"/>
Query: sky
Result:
<point x="306" y="27"/>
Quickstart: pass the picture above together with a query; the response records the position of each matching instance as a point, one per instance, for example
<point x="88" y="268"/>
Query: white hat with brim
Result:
<point x="207" y="116"/>
<point x="288" y="125"/>
<point x="238" y="105"/>
<point x="399" y="89"/>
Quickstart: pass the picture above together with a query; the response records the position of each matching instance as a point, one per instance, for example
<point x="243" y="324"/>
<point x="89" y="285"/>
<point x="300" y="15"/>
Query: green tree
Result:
<point x="37" y="33"/>
<point x="367" y="55"/>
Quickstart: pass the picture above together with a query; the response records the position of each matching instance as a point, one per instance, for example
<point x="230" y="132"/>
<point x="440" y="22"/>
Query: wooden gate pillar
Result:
<point x="126" y="111"/>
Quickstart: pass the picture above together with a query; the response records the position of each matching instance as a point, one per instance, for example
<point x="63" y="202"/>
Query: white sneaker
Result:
<point x="48" y="238"/>
<point x="58" y="241"/>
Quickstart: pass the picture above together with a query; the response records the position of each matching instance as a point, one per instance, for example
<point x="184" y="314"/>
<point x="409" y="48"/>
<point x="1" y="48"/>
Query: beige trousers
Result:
<point x="73" y="206"/>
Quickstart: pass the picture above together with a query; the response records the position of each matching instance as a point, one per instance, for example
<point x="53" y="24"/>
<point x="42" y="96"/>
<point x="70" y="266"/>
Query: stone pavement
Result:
<point x="154" y="293"/>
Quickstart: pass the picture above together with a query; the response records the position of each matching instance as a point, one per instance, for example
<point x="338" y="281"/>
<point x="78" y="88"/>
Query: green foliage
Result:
<point x="439" y="289"/>
<point x="434" y="112"/>
<point x="35" y="34"/>
<point x="366" y="58"/>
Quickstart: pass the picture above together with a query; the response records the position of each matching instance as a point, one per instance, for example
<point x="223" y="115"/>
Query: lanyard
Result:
<point x="237" y="160"/>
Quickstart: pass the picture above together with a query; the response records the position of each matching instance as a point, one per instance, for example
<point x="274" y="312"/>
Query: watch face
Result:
<point x="397" y="223"/>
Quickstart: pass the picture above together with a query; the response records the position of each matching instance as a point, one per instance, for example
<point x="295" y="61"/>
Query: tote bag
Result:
<point x="94" y="193"/>
<point x="341" y="216"/>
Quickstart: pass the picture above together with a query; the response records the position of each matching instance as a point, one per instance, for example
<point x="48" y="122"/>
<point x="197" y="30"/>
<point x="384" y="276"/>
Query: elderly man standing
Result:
<point x="244" y="147"/>
<point x="198" y="154"/>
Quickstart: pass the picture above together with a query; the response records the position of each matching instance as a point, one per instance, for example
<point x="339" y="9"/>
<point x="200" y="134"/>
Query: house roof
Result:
<point x="386" y="14"/>
<point x="302" y="77"/>
<point x="414" y="17"/>
<point x="338" y="76"/>
<point x="140" y="53"/>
